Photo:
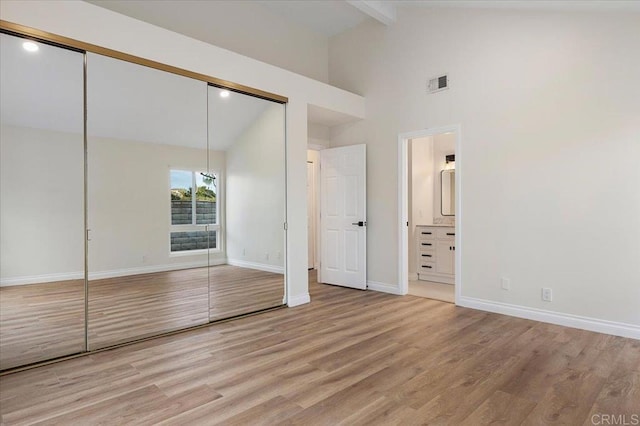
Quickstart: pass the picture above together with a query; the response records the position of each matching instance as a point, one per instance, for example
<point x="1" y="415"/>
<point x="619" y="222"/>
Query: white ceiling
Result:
<point x="326" y="17"/>
<point x="331" y="17"/>
<point x="229" y="117"/>
<point x="125" y="101"/>
<point x="524" y="4"/>
<point x="42" y="89"/>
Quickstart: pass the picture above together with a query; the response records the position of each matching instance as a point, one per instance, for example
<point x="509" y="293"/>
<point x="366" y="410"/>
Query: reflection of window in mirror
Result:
<point x="448" y="192"/>
<point x="191" y="231"/>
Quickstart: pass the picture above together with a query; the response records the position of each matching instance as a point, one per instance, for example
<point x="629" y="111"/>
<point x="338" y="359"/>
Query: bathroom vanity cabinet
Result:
<point x="436" y="253"/>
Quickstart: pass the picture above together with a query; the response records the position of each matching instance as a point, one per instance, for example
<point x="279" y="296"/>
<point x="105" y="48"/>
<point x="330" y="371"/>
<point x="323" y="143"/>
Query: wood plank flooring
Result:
<point x="349" y="357"/>
<point x="232" y="293"/>
<point x="42" y="321"/>
<point x="31" y="314"/>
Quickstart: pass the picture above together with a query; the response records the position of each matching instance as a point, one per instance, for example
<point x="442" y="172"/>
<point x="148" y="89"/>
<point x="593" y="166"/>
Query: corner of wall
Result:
<point x="301" y="299"/>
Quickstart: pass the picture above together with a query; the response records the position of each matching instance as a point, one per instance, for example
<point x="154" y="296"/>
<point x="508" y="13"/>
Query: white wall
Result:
<point x="135" y="234"/>
<point x="128" y="205"/>
<point x="549" y="108"/>
<point x="42" y="208"/>
<point x="255" y="193"/>
<point x="245" y="27"/>
<point x="319" y="135"/>
<point x="92" y="24"/>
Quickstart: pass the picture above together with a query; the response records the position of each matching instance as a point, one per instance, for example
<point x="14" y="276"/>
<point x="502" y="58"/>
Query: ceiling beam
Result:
<point x="383" y="11"/>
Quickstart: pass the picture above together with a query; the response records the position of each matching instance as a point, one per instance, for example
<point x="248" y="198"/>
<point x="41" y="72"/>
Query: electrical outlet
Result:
<point x="505" y="283"/>
<point x="279" y="255"/>
<point x="547" y="294"/>
<point x="244" y="252"/>
<point x="266" y="256"/>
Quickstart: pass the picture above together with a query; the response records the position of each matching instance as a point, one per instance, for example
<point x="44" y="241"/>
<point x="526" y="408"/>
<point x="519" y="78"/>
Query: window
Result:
<point x="194" y="218"/>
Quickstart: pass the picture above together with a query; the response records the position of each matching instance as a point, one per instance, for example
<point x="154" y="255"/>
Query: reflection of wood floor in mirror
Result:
<point x="350" y="357"/>
<point x="235" y="291"/>
<point x="42" y="321"/>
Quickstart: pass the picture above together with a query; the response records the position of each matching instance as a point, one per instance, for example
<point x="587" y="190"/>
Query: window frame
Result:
<point x="194" y="227"/>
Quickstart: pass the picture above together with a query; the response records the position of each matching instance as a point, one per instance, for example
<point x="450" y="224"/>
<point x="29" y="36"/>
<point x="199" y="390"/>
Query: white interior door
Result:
<point x="311" y="215"/>
<point x="343" y="216"/>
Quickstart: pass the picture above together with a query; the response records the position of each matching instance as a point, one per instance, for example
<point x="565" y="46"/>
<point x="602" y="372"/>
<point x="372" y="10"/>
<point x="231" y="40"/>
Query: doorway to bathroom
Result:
<point x="429" y="204"/>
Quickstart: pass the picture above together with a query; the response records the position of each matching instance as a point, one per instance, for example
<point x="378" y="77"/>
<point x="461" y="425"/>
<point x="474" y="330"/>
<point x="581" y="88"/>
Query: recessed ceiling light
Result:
<point x="224" y="94"/>
<point x="30" y="46"/>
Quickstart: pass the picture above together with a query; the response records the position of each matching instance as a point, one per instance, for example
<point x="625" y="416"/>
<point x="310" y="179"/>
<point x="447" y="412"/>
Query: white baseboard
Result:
<point x="384" y="287"/>
<point x="39" y="279"/>
<point x="259" y="266"/>
<point x="298" y="300"/>
<point x="145" y="270"/>
<point x="568" y="320"/>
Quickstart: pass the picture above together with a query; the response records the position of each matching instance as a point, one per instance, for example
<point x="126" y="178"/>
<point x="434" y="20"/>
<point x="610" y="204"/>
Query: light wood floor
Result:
<point x="31" y="314"/>
<point x="350" y="357"/>
<point x="432" y="290"/>
<point x="43" y="321"/>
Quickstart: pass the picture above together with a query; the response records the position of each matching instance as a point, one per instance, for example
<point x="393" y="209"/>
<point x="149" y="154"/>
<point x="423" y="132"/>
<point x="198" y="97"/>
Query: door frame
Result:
<point x="313" y="234"/>
<point x="403" y="204"/>
<point x="316" y="174"/>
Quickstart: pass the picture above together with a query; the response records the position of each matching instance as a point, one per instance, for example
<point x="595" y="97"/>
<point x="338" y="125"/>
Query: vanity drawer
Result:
<point x="426" y="256"/>
<point x="446" y="234"/>
<point x="427" y="267"/>
<point x="424" y="245"/>
<point x="426" y="234"/>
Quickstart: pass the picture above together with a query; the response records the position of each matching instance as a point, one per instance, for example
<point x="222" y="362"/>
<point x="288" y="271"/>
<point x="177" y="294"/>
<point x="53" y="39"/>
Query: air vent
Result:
<point x="438" y="83"/>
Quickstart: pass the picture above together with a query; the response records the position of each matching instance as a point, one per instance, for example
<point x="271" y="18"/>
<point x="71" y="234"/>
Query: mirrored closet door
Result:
<point x="163" y="209"/>
<point x="249" y="134"/>
<point x="42" y="292"/>
<point x="149" y="202"/>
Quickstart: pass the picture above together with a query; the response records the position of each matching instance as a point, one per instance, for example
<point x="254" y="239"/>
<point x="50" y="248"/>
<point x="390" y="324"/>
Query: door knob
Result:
<point x="361" y="223"/>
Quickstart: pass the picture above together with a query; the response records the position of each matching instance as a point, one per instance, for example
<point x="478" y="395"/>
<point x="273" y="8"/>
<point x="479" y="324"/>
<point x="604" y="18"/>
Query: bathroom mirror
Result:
<point x="448" y="192"/>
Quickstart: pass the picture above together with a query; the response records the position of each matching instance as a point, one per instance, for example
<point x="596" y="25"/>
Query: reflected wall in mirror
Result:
<point x="251" y="133"/>
<point x="148" y="205"/>
<point x="448" y="192"/>
<point x="42" y="297"/>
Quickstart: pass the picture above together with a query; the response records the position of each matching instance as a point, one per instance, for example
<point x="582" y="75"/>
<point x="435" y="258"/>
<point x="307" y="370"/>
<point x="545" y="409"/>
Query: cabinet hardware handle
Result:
<point x="426" y="244"/>
<point x="451" y="233"/>
<point x="426" y="233"/>
<point x="426" y="255"/>
<point x="426" y="266"/>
